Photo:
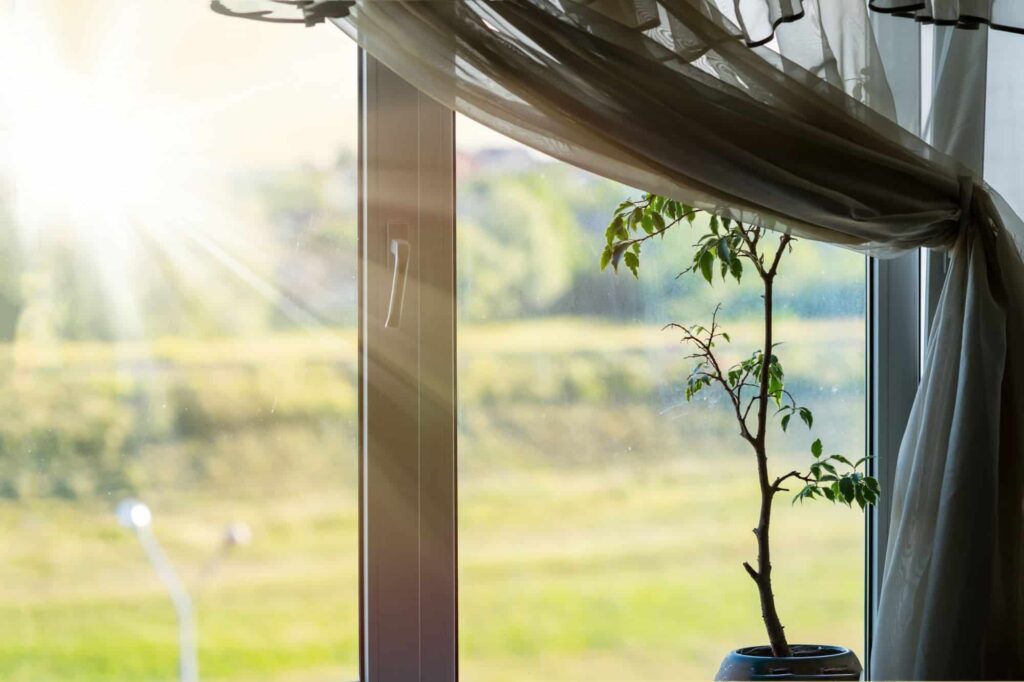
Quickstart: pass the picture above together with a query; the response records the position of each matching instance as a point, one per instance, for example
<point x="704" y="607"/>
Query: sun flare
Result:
<point x="129" y="160"/>
<point x="84" y="151"/>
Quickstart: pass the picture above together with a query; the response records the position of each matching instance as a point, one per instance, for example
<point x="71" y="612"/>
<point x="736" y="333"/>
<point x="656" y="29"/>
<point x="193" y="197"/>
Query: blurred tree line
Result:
<point x="530" y="233"/>
<point x="529" y="243"/>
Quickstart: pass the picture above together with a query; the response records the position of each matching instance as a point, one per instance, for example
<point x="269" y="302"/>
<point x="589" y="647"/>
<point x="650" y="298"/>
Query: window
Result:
<point x="603" y="521"/>
<point x="178" y="303"/>
<point x="194" y="309"/>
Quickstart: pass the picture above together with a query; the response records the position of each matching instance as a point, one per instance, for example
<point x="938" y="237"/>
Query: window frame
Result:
<point x="893" y="331"/>
<point x="408" y="565"/>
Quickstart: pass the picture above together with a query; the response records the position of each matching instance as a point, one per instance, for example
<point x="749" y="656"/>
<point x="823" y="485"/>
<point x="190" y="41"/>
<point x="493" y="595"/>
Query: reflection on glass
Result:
<point x="603" y="520"/>
<point x="177" y="310"/>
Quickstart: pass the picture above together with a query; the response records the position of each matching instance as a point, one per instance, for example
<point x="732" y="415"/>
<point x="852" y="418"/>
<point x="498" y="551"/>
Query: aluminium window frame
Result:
<point x="408" y="567"/>
<point x="893" y="317"/>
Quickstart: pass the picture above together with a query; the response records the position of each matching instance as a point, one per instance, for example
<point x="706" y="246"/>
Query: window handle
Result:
<point x="398" y="255"/>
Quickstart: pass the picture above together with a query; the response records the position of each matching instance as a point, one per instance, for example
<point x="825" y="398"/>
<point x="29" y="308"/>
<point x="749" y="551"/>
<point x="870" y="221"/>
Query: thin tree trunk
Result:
<point x="776" y="632"/>
<point x="763" y="575"/>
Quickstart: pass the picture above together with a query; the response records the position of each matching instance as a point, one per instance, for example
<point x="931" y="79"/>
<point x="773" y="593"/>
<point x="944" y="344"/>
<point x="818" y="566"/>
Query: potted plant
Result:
<point x="756" y="391"/>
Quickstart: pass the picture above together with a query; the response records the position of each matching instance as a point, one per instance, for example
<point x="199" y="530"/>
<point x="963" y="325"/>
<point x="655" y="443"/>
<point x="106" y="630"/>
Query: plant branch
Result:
<point x="626" y="243"/>
<point x="751" y="243"/>
<point x="710" y="360"/>
<point x="776" y="486"/>
<point x="783" y="244"/>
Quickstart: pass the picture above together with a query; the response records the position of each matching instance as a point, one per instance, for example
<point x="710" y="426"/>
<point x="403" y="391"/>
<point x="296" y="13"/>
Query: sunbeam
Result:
<point x="117" y="171"/>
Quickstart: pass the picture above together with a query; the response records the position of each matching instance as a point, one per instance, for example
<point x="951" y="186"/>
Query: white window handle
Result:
<point x="398" y="250"/>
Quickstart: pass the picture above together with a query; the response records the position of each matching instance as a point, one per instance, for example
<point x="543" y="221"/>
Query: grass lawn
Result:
<point x="601" y="531"/>
<point x="617" y="574"/>
<point x="636" y="574"/>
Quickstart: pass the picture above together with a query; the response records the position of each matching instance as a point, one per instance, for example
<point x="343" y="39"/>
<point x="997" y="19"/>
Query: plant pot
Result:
<point x="808" y="662"/>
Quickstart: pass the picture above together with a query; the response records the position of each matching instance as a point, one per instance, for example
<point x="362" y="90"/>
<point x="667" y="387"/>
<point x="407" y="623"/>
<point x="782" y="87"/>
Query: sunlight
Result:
<point x="129" y="177"/>
<point x="85" y="153"/>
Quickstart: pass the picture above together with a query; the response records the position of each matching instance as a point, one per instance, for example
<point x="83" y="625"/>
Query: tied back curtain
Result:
<point x="780" y="113"/>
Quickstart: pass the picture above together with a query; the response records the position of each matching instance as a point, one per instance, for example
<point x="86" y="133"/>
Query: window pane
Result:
<point x="178" y="310"/>
<point x="604" y="520"/>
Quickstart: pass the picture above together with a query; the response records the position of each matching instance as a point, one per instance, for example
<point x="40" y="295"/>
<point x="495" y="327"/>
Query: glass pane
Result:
<point x="604" y="520"/>
<point x="177" y="310"/>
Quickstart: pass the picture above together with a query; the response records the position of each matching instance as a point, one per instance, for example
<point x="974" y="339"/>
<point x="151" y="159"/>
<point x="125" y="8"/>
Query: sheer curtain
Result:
<point x="780" y="112"/>
<point x="970" y="106"/>
<point x="1003" y="15"/>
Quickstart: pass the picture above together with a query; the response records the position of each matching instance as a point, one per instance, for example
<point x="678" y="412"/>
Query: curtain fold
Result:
<point x="797" y="133"/>
<point x="938" y="611"/>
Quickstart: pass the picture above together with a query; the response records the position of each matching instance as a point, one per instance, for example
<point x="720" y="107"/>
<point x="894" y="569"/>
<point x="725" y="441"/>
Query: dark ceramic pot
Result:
<point x="808" y="662"/>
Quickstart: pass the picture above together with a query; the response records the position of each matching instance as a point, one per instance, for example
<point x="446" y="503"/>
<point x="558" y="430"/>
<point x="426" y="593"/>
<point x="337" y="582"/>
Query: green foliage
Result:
<point x="652" y="216"/>
<point x="755" y="380"/>
<point x="847" y="486"/>
<point x="520" y="245"/>
<point x="635" y="221"/>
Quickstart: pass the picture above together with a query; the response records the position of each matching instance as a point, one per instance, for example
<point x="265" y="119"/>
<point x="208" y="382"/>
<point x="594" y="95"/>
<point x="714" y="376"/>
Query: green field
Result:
<point x="602" y="523"/>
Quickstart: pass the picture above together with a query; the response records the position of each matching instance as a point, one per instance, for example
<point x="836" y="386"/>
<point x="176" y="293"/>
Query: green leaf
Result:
<point x="633" y="263"/>
<point x="785" y="421"/>
<point x="840" y="458"/>
<point x="698" y="254"/>
<point x="706" y="261"/>
<point x="648" y="223"/>
<point x="808" y="491"/>
<point x="659" y="222"/>
<point x="829" y="494"/>
<point x="614" y="228"/>
<point x="606" y="257"/>
<point x="846" y="487"/>
<point x="816" y="448"/>
<point x="617" y="254"/>
<point x="736" y="268"/>
<point x="807" y="417"/>
<point x="713" y="223"/>
<point x="723" y="250"/>
<point x="636" y="216"/>
<point x="774" y="386"/>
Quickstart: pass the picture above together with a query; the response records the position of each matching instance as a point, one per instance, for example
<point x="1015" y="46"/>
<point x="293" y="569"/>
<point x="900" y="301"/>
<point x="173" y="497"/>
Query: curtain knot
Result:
<point x="966" y="202"/>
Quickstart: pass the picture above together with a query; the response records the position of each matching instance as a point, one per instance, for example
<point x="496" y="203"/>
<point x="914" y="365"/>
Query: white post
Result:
<point x="135" y="515"/>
